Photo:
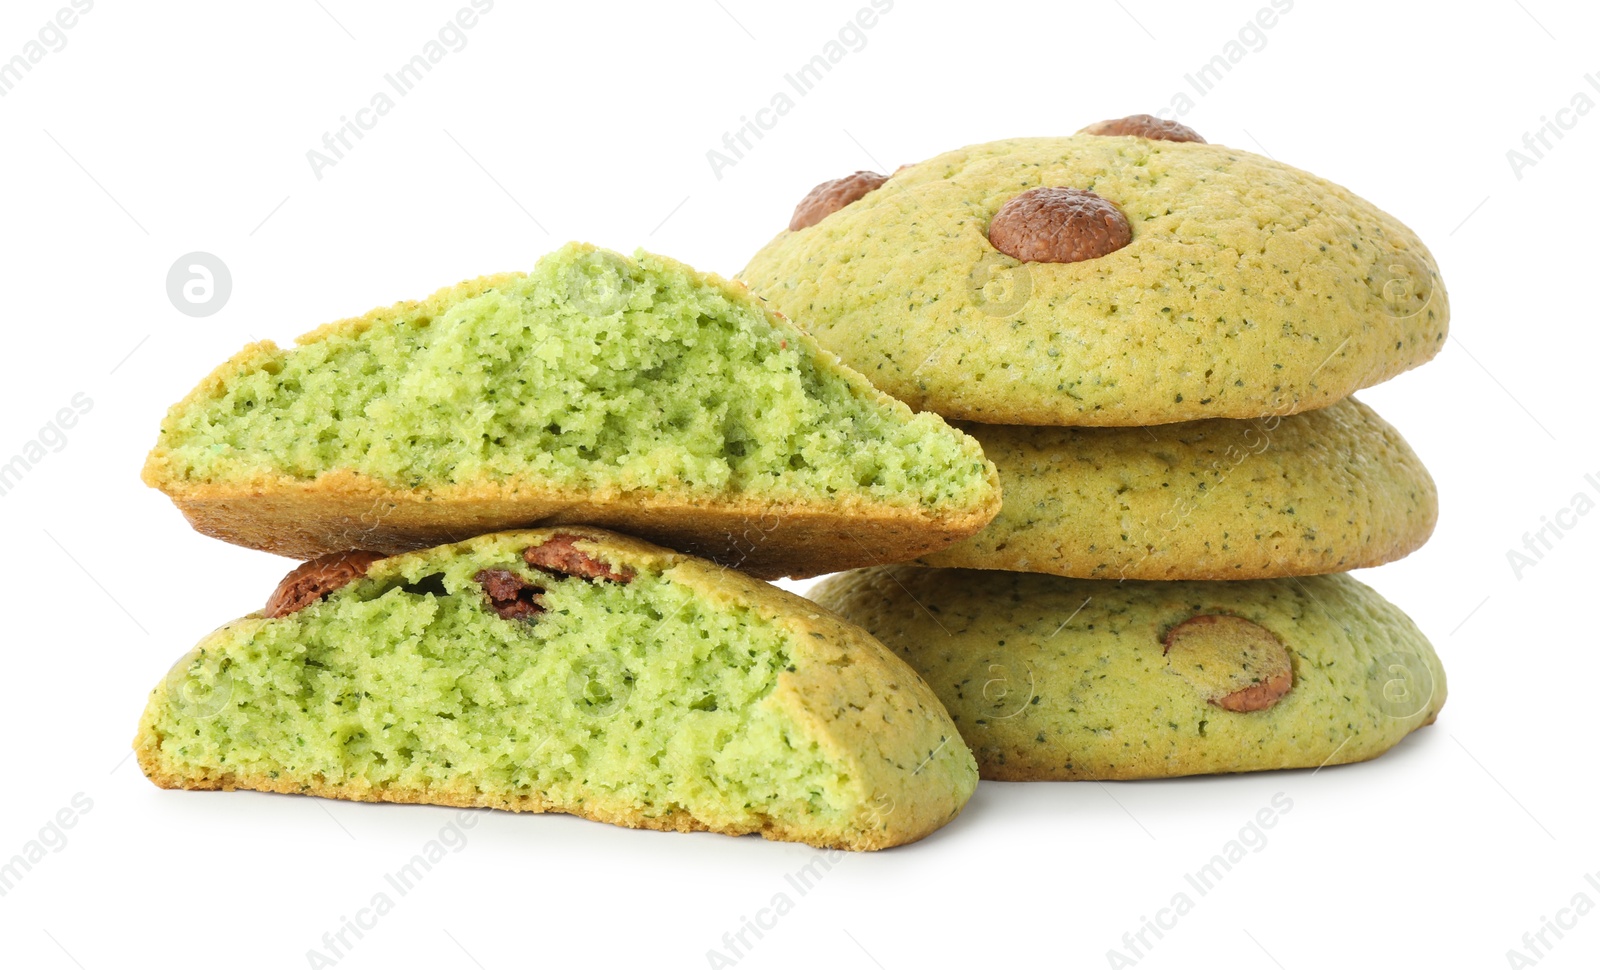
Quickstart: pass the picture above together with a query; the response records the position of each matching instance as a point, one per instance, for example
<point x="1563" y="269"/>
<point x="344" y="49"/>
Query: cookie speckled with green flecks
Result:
<point x="1318" y="492"/>
<point x="635" y="393"/>
<point x="1244" y="287"/>
<point x="1054" y="678"/>
<point x="568" y="670"/>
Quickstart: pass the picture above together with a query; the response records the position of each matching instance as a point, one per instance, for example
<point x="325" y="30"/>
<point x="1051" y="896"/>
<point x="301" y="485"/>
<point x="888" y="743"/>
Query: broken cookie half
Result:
<point x="564" y="670"/>
<point x="598" y="389"/>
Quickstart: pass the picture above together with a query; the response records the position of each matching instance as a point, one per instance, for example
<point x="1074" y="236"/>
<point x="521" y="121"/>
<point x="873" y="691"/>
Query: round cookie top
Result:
<point x="1243" y="286"/>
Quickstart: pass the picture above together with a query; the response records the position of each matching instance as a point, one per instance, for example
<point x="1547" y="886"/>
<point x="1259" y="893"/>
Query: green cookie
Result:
<point x="1248" y="287"/>
<point x="563" y="670"/>
<point x="1060" y="679"/>
<point x="1319" y="492"/>
<point x="634" y="393"/>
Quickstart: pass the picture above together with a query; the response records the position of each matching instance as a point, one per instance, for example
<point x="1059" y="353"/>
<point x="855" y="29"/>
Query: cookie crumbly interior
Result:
<point x="640" y="698"/>
<point x="592" y="371"/>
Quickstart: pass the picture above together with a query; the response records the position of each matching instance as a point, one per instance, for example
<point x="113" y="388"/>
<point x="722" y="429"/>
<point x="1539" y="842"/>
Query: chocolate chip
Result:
<point x="559" y="555"/>
<point x="829" y="197"/>
<point x="511" y="596"/>
<point x="1240" y="665"/>
<point x="1054" y="224"/>
<point x="1144" y="126"/>
<point x="315" y="580"/>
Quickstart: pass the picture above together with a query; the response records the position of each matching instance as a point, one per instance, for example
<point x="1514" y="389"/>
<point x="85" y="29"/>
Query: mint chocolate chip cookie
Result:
<point x="1061" y="679"/>
<point x="1135" y="277"/>
<point x="569" y="670"/>
<point x="631" y="393"/>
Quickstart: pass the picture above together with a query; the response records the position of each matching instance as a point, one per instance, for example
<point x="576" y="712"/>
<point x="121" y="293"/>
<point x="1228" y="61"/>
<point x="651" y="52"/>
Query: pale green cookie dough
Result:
<point x="569" y="670"/>
<point x="635" y="393"/>
<point x="1052" y="678"/>
<point x="1249" y="288"/>
<point x="1317" y="492"/>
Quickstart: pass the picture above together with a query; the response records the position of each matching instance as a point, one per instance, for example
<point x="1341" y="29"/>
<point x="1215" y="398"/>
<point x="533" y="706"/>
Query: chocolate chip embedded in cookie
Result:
<point x="314" y="580"/>
<point x="1238" y="664"/>
<point x="1059" y="225"/>
<point x="1144" y="126"/>
<point x="510" y="596"/>
<point x="559" y="554"/>
<point x="829" y="197"/>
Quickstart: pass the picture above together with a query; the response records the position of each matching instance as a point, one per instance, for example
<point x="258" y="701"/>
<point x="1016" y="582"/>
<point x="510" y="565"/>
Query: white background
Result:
<point x="164" y="129"/>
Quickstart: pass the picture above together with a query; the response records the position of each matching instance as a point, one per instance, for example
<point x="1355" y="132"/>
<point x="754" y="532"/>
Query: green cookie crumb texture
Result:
<point x="1317" y="492"/>
<point x="685" y="697"/>
<point x="1056" y="678"/>
<point x="1249" y="288"/>
<point x="596" y="381"/>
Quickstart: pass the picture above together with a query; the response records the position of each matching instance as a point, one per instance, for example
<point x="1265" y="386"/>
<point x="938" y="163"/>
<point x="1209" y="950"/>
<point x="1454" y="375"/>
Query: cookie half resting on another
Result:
<point x="1128" y="275"/>
<point x="568" y="670"/>
<point x="1064" y="679"/>
<point x="1317" y="492"/>
<point x="636" y="393"/>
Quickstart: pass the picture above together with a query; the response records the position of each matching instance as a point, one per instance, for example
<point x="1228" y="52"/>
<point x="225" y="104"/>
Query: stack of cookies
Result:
<point x="1155" y="340"/>
<point x="1122" y="557"/>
